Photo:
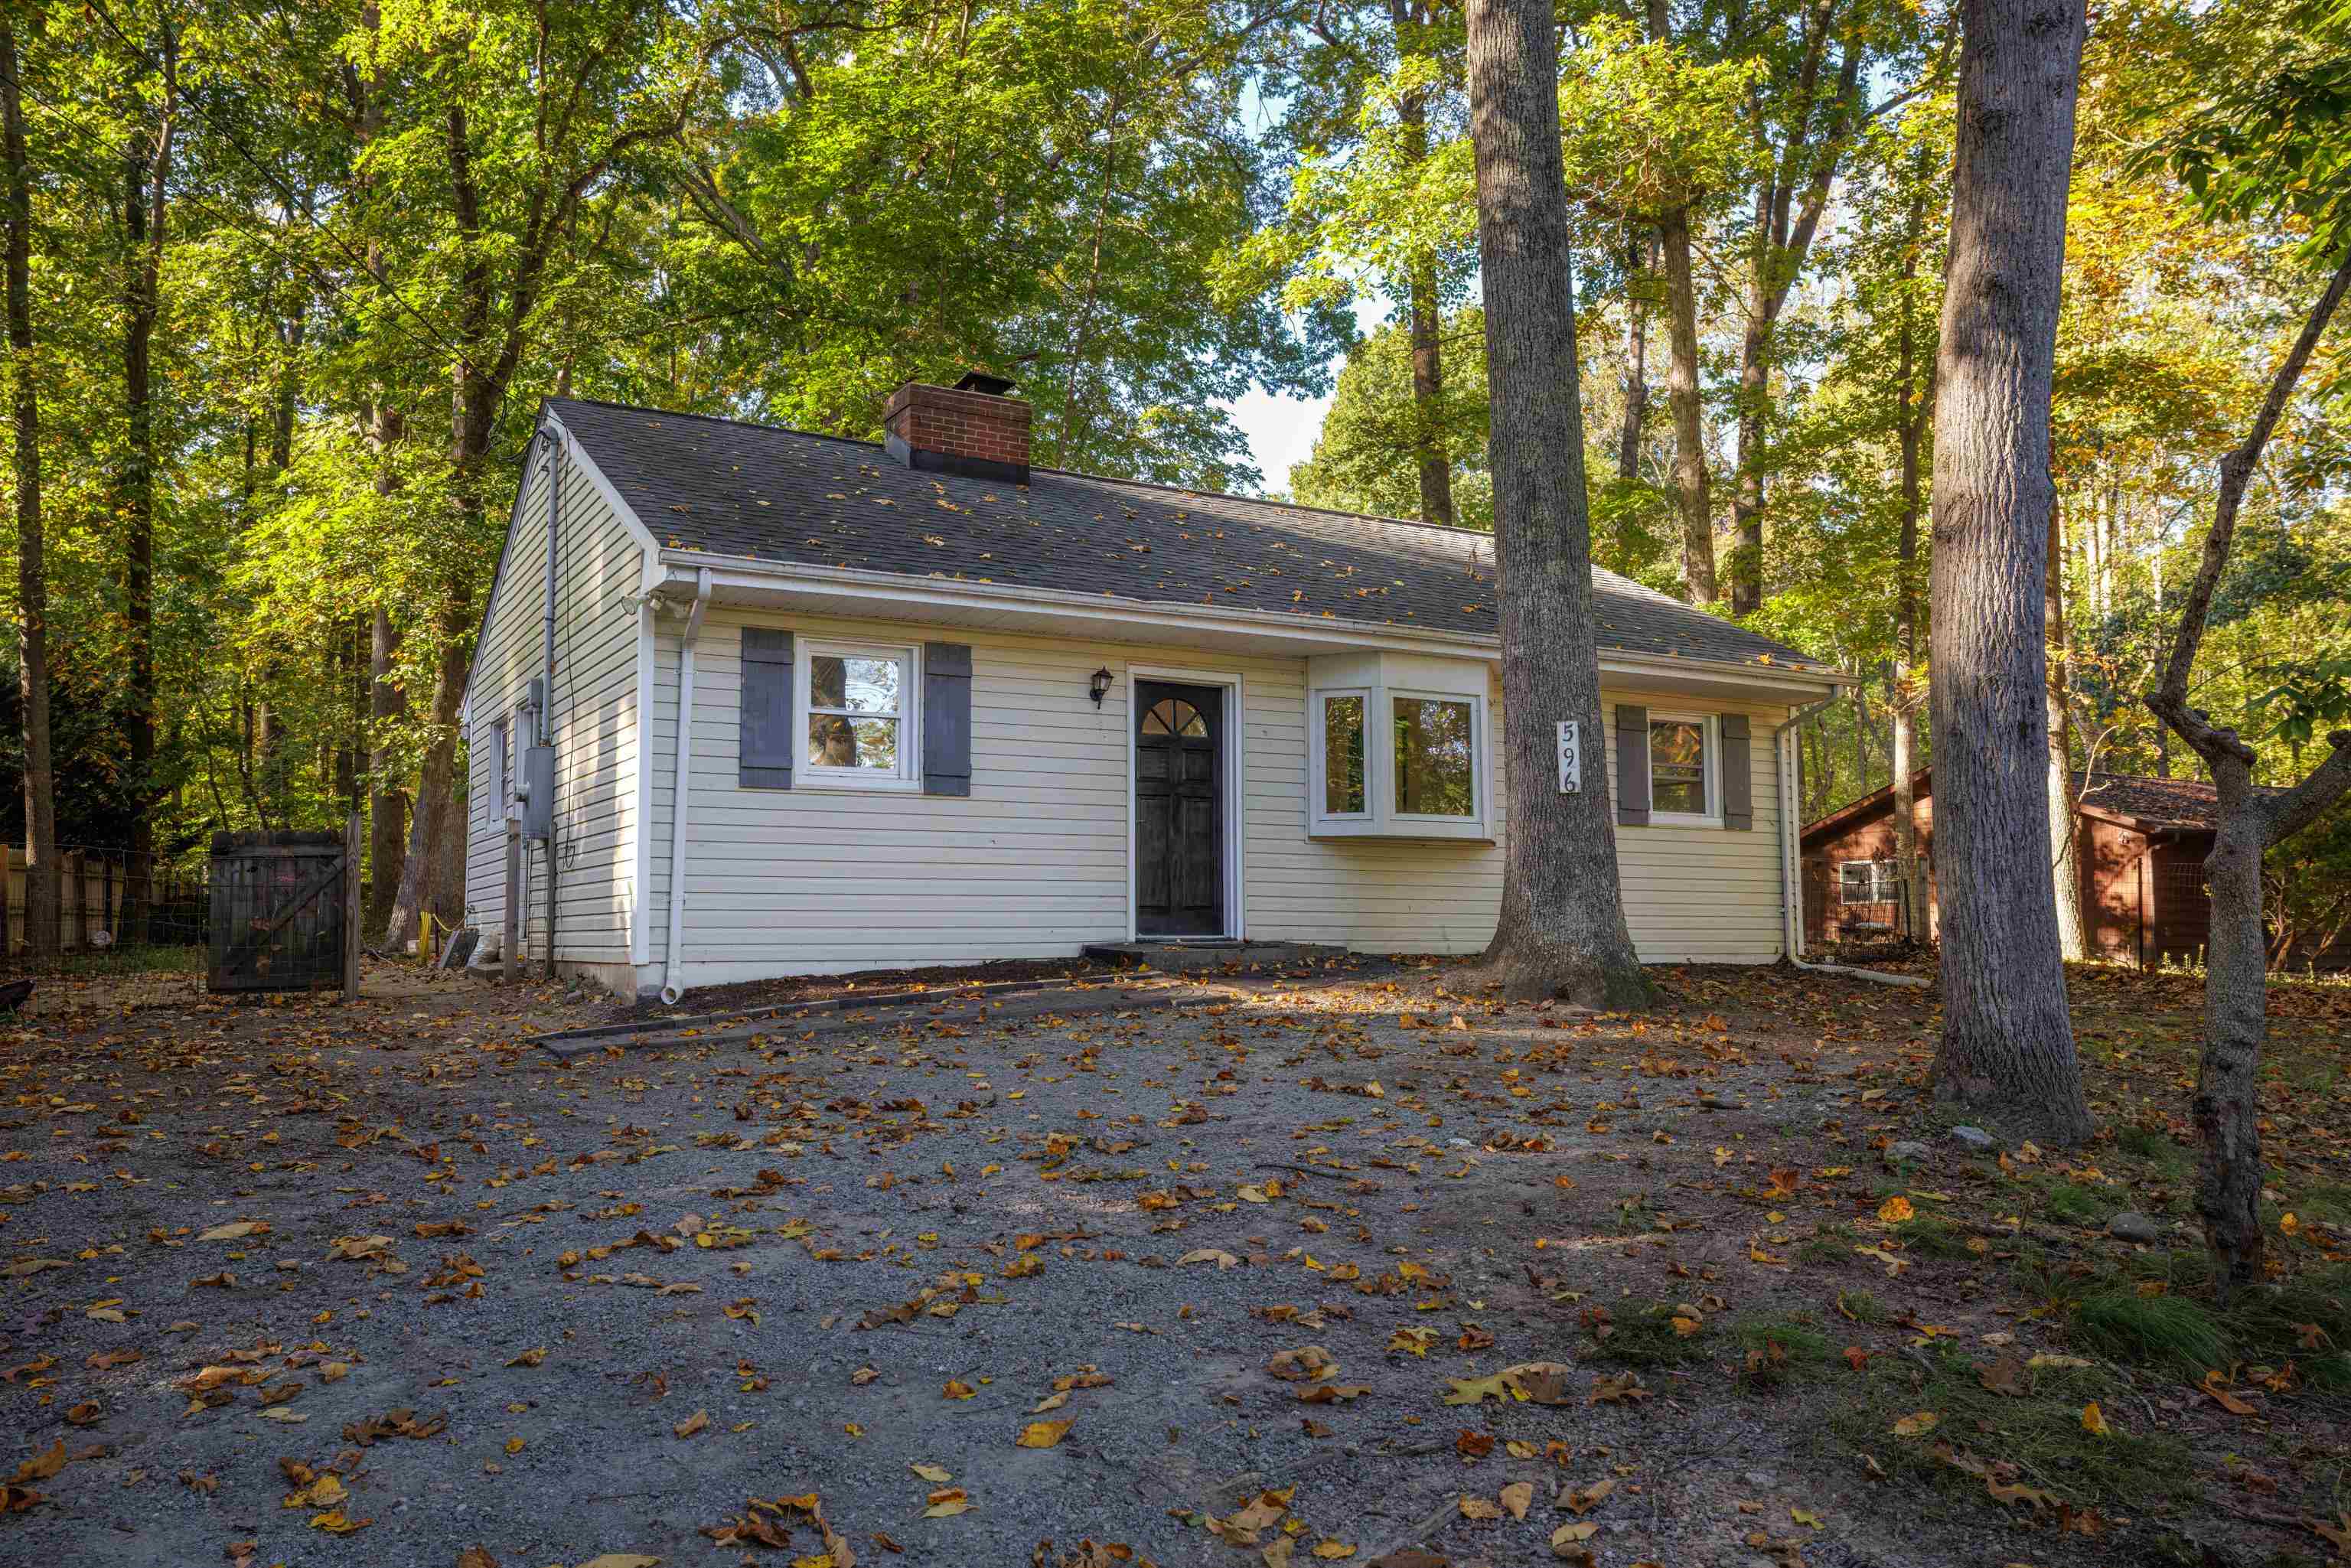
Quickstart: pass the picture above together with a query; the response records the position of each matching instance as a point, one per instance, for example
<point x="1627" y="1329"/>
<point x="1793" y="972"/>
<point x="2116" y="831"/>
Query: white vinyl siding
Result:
<point x="1034" y="863"/>
<point x="598" y="571"/>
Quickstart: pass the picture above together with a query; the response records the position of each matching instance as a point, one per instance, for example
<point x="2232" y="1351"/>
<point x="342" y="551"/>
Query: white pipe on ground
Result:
<point x="673" y="965"/>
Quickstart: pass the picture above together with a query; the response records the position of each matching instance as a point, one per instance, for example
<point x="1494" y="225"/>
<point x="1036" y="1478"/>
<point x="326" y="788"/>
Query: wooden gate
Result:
<point x="285" y="912"/>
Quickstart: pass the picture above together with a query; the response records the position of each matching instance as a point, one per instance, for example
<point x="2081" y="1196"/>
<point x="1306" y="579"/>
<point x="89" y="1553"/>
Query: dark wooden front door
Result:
<point x="1179" y="810"/>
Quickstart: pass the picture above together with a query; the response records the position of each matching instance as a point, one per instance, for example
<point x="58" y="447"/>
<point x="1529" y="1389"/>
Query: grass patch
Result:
<point x="2178" y="1330"/>
<point x="1777" y="1349"/>
<point x="1862" y="1306"/>
<point x="1831" y="1244"/>
<point x="2071" y="1204"/>
<point x="1646" y="1337"/>
<point x="2040" y="1435"/>
<point x="1932" y="1236"/>
<point x="2177" y="1333"/>
<point x="2173" y="1161"/>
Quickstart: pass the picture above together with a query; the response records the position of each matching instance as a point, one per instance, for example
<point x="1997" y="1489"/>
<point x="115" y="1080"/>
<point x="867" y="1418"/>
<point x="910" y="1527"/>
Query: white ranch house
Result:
<point x="815" y="704"/>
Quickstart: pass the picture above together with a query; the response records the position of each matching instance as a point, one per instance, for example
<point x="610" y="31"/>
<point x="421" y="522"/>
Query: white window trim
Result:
<point x="1886" y="870"/>
<point x="908" y="776"/>
<point x="1478" y="769"/>
<point x="1321" y="763"/>
<point x="1710" y="771"/>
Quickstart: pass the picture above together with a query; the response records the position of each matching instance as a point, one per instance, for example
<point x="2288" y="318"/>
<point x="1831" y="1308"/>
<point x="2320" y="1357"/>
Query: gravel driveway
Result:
<point x="383" y="1283"/>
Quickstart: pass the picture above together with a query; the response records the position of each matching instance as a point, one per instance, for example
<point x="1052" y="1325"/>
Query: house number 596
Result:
<point x="1571" y="758"/>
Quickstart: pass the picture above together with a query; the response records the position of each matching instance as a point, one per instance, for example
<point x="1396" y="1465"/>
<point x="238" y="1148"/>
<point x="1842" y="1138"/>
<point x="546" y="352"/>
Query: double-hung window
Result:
<point x="1683" y="786"/>
<point x="858" y="719"/>
<point x="1867" y="882"/>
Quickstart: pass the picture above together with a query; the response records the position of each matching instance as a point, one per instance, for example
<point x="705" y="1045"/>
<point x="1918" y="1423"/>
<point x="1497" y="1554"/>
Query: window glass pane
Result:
<point x="1155" y="722"/>
<point x="1189" y="722"/>
<point x="858" y="685"/>
<point x="1435" y="773"/>
<point x="1343" y="754"/>
<point x="1678" y="765"/>
<point x="835" y="741"/>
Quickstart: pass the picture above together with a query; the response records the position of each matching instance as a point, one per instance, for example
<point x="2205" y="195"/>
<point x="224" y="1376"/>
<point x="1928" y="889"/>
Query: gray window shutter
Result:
<point x="1738" y="774"/>
<point x="947" y="719"/>
<point x="1632" y="766"/>
<point x="766" y="722"/>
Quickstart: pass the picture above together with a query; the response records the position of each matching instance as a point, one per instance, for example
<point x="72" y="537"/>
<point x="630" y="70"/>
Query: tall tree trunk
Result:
<point x="1912" y="411"/>
<point x="387" y="803"/>
<point x="2008" y="1040"/>
<point x="147" y="177"/>
<point x="1561" y="930"/>
<point x="42" y="908"/>
<point x="1432" y="451"/>
<point x="2227" y="1109"/>
<point x="473" y="413"/>
<point x="1690" y="496"/>
<point x="2064" y="821"/>
<point x="1782" y="238"/>
<point x="1642" y="260"/>
<point x="423" y="873"/>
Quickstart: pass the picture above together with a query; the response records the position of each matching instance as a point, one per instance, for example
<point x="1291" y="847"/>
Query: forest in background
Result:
<point x="299" y="278"/>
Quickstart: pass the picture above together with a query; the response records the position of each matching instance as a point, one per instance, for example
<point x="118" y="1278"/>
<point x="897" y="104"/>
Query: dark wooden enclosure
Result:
<point x="285" y="912"/>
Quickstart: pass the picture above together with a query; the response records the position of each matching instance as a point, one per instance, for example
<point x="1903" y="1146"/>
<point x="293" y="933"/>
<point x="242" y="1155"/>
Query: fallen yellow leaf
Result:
<point x="1044" y="1434"/>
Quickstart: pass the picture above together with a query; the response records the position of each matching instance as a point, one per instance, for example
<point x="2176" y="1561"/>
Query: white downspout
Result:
<point x="672" y="966"/>
<point x="1791" y="886"/>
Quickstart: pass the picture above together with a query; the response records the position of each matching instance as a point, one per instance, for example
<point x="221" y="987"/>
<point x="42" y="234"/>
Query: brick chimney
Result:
<point x="975" y="427"/>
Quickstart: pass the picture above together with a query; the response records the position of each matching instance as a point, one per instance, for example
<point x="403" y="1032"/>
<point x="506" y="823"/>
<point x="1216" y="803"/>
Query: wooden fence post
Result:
<point x="351" y="909"/>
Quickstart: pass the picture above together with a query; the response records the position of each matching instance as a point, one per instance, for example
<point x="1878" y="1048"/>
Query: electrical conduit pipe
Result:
<point x="672" y="966"/>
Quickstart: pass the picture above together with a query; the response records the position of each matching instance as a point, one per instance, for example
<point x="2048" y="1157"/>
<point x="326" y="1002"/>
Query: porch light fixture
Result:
<point x="1100" y="686"/>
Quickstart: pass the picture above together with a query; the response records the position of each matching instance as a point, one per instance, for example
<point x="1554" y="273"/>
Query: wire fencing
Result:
<point x="118" y="911"/>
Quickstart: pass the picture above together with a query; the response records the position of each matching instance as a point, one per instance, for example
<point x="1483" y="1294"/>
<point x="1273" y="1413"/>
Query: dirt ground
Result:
<point x="1328" y="1270"/>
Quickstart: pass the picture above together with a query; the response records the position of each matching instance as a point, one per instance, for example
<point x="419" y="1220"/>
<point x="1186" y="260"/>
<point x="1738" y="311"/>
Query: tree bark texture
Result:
<point x="2008" y="1041"/>
<point x="1643" y="260"/>
<point x="1690" y="496"/>
<point x="42" y="908"/>
<point x="1914" y="409"/>
<point x="2065" y="832"/>
<point x="1561" y="930"/>
<point x="2227" y="1107"/>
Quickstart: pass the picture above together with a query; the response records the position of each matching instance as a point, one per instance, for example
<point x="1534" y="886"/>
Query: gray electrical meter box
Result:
<point x="538" y="791"/>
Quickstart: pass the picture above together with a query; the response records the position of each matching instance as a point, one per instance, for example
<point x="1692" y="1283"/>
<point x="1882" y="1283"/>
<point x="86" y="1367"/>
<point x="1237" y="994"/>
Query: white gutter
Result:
<point x="897" y="588"/>
<point x="1792" y="883"/>
<point x="672" y="966"/>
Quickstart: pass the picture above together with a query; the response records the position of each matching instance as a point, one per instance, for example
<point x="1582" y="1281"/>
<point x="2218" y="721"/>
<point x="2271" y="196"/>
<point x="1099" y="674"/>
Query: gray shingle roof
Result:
<point x="729" y="488"/>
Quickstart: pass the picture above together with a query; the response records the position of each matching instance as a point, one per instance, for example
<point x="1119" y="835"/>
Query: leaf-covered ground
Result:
<point x="1348" y="1268"/>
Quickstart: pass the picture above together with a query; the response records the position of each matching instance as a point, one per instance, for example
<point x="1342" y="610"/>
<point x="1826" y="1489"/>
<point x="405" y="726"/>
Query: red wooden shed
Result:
<point x="2142" y="843"/>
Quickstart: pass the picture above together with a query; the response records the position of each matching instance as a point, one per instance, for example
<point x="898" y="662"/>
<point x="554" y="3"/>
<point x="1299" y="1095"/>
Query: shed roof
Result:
<point x="2185" y="805"/>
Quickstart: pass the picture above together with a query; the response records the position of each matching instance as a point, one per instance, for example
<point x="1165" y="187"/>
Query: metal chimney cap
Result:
<point x="982" y="381"/>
